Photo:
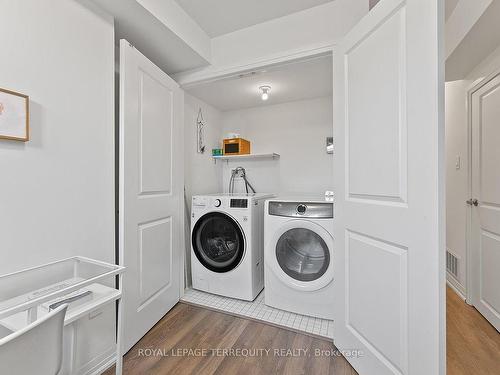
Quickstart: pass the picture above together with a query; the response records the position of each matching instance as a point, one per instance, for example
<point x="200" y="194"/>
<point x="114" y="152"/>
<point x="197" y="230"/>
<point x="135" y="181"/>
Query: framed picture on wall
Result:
<point x="14" y="116"/>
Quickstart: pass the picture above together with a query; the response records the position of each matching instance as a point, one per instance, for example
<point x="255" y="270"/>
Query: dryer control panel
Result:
<point x="316" y="210"/>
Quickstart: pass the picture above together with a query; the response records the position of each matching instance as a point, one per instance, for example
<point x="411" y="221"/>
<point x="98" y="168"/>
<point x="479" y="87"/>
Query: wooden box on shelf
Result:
<point x="236" y="146"/>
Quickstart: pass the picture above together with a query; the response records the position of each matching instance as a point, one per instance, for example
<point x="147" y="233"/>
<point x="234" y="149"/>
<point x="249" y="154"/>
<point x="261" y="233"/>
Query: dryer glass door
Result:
<point x="218" y="242"/>
<point x="302" y="254"/>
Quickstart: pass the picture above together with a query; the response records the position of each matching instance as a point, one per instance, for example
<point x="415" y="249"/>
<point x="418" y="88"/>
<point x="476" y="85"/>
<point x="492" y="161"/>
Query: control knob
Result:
<point x="301" y="209"/>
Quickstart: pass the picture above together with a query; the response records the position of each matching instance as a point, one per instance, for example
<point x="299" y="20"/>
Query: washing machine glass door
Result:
<point x="218" y="242"/>
<point x="303" y="255"/>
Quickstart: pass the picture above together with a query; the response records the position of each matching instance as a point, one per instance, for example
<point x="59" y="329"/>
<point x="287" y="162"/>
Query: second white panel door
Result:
<point x="485" y="204"/>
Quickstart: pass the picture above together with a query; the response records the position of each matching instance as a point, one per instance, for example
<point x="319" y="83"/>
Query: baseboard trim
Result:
<point x="103" y="366"/>
<point x="455" y="286"/>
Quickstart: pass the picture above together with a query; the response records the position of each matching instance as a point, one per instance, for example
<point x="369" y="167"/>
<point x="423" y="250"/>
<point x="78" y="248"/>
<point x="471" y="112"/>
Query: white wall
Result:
<point x="456" y="179"/>
<point x="201" y="175"/>
<point x="456" y="145"/>
<point x="486" y="67"/>
<point x="319" y="26"/>
<point x="288" y="37"/>
<point x="297" y="131"/>
<point x="57" y="190"/>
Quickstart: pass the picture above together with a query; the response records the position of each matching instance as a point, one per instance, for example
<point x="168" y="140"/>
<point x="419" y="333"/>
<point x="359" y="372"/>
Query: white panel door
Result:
<point x="388" y="129"/>
<point x="151" y="181"/>
<point x="485" y="208"/>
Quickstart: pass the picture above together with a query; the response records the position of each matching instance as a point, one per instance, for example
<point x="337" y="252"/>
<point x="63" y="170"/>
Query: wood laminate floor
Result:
<point x="473" y="344"/>
<point x="187" y="339"/>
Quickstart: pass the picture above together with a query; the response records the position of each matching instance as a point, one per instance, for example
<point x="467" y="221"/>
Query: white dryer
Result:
<point x="298" y="255"/>
<point x="227" y="244"/>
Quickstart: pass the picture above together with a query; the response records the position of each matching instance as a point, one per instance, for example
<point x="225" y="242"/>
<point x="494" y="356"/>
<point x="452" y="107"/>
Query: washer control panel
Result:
<point x="206" y="202"/>
<point x="238" y="203"/>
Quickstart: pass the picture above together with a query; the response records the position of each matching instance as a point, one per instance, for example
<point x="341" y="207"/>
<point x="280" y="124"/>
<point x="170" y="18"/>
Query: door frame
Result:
<point x="285" y="58"/>
<point x="473" y="88"/>
<point x="195" y="78"/>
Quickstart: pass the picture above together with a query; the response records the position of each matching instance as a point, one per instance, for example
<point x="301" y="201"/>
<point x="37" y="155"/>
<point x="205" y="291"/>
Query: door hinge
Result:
<point x="472" y="202"/>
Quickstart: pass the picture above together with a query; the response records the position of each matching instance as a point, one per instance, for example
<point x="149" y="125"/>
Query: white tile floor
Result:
<point x="259" y="311"/>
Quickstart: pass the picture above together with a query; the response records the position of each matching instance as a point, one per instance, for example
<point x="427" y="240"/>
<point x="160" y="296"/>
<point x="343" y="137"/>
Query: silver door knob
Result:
<point x="473" y="202"/>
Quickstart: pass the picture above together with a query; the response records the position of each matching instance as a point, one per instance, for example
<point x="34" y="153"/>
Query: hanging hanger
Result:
<point x="200" y="124"/>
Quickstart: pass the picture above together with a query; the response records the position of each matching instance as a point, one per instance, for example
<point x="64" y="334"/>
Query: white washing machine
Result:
<point x="227" y="244"/>
<point x="298" y="255"/>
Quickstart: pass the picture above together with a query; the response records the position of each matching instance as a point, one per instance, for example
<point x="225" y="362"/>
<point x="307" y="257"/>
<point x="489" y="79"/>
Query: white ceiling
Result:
<point x="150" y="36"/>
<point x="219" y="17"/>
<point x="478" y="44"/>
<point x="295" y="81"/>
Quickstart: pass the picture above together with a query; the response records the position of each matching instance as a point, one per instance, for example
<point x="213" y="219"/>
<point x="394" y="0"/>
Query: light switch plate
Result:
<point x="329" y="145"/>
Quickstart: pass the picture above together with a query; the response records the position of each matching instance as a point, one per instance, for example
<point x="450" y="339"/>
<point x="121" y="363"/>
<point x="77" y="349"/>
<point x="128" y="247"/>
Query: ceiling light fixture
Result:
<point x="265" y="92"/>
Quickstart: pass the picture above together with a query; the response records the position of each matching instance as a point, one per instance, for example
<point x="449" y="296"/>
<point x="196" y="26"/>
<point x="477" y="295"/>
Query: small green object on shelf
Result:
<point x="217" y="152"/>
